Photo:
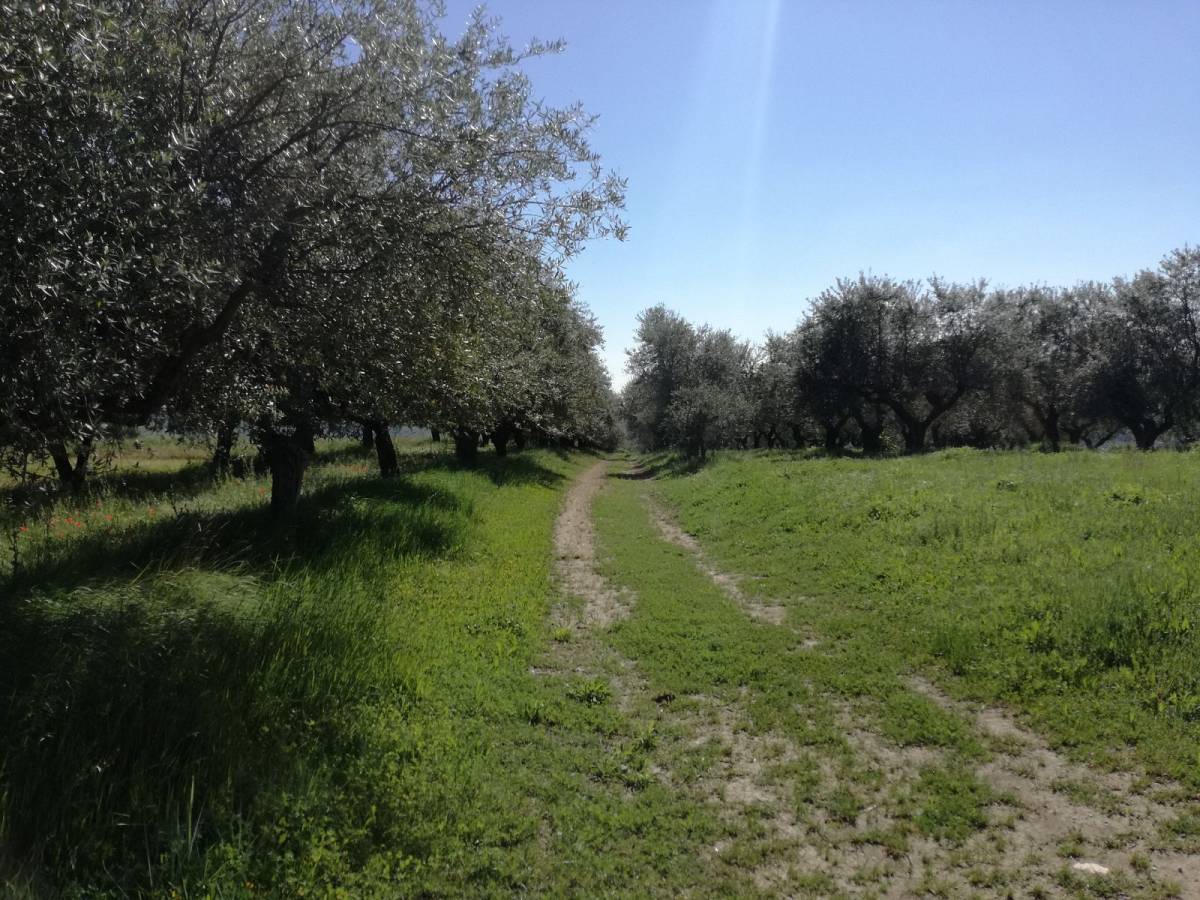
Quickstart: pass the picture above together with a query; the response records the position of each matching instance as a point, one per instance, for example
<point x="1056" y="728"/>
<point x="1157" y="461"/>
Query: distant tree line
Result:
<point x="885" y="365"/>
<point x="284" y="218"/>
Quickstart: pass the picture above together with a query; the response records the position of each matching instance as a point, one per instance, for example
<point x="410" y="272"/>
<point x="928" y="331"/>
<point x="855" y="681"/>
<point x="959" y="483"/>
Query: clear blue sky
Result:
<point x="772" y="146"/>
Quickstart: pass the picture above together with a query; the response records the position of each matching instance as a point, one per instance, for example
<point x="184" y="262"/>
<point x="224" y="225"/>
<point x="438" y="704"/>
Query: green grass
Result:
<point x="377" y="701"/>
<point x="1067" y="585"/>
<point x="192" y="701"/>
<point x="197" y="706"/>
<point x="690" y="639"/>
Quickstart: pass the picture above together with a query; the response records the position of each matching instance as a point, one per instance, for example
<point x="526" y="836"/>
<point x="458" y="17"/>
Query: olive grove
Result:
<point x="880" y="364"/>
<point x="268" y="216"/>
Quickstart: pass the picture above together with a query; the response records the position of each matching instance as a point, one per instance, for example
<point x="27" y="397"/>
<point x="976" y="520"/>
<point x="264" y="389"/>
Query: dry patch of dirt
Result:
<point x="800" y="814"/>
<point x="1040" y="825"/>
<point x="1108" y="815"/>
<point x="575" y="554"/>
<point x="578" y="649"/>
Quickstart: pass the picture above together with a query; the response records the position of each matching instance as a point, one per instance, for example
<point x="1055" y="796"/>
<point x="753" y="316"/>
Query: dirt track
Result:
<point x="1047" y="801"/>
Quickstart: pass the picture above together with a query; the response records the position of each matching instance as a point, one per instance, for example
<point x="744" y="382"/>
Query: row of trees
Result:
<point x="878" y="363"/>
<point x="275" y="216"/>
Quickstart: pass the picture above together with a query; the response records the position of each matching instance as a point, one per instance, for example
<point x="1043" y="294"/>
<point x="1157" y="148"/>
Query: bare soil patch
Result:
<point x="1041" y="820"/>
<point x="575" y="553"/>
<point x="1107" y="816"/>
<point x="815" y="820"/>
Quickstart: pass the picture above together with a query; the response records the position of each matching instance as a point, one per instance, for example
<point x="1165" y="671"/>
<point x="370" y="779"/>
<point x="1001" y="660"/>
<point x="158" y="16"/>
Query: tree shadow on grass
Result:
<point x="136" y="484"/>
<point x="190" y="480"/>
<point x="369" y="513"/>
<point x="361" y="514"/>
<point x="515" y="470"/>
<point x="187" y="668"/>
<point x="184" y="670"/>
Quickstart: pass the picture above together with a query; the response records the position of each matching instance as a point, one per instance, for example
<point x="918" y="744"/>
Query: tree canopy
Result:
<point x="274" y="214"/>
<point x="878" y="363"/>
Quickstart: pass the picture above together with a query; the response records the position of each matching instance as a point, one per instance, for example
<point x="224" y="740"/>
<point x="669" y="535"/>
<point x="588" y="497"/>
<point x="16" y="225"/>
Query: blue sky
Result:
<point x="772" y="146"/>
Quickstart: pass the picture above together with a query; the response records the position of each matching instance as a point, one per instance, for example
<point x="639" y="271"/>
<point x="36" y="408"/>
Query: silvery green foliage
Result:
<point x="916" y="349"/>
<point x="532" y="366"/>
<point x="1144" y="365"/>
<point x="773" y="390"/>
<point x="690" y="387"/>
<point x="658" y="365"/>
<point x="302" y="186"/>
<point x="878" y="363"/>
<point x="1047" y="337"/>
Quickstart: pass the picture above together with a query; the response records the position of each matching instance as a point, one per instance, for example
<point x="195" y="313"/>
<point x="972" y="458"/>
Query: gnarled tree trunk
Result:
<point x="1147" y="432"/>
<point x="72" y="476"/>
<point x="1051" y="432"/>
<point x="466" y="445"/>
<point x="833" y="433"/>
<point x="385" y="450"/>
<point x="870" y="430"/>
<point x="287" y="457"/>
<point x="914" y="432"/>
<point x="223" y="452"/>
<point x="307" y="438"/>
<point x="501" y="435"/>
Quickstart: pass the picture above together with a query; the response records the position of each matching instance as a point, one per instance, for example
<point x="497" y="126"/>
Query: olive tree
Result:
<point x="690" y="387"/>
<point x="183" y="175"/>
<point x="915" y="349"/>
<point x="772" y="390"/>
<point x="1047" y="337"/>
<point x="1144" y="369"/>
<point x="658" y="366"/>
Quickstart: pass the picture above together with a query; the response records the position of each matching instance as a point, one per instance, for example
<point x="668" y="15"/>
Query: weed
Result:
<point x="592" y="691"/>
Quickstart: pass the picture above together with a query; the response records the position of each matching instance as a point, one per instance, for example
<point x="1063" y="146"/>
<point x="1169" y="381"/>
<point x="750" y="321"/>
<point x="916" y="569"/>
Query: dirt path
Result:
<point x="575" y="553"/>
<point x="1054" y="828"/>
<point x="673" y="534"/>
<point x="738" y="782"/>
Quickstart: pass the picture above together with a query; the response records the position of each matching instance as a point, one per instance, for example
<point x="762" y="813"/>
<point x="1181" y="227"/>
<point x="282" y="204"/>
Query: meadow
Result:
<point x="1065" y="584"/>
<point x="195" y="705"/>
<point x="396" y="696"/>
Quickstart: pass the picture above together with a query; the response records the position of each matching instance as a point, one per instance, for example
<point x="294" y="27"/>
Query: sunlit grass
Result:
<point x="191" y="696"/>
<point x="1066" y="584"/>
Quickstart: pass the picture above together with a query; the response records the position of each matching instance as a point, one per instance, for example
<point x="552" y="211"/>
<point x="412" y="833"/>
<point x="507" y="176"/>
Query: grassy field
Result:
<point x="393" y="696"/>
<point x="832" y="635"/>
<point x="1068" y="585"/>
<point x="190" y="708"/>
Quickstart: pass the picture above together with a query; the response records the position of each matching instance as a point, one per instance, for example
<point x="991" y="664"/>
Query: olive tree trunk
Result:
<point x="287" y="457"/>
<point x="466" y="445"/>
<point x="72" y="476"/>
<point x="223" y="452"/>
<point x="502" y="434"/>
<point x="385" y="449"/>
